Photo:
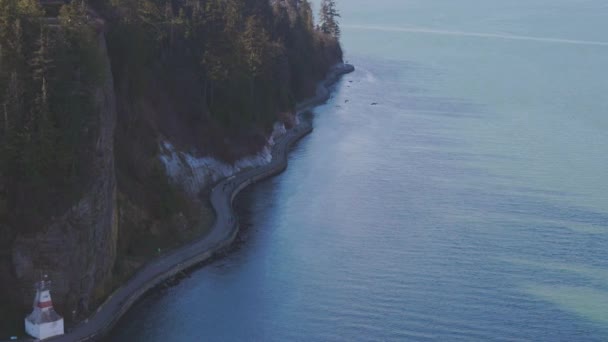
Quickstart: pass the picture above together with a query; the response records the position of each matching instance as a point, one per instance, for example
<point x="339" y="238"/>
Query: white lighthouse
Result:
<point x="43" y="322"/>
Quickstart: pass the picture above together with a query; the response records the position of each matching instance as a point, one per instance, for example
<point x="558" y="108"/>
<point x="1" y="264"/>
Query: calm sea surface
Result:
<point x="469" y="203"/>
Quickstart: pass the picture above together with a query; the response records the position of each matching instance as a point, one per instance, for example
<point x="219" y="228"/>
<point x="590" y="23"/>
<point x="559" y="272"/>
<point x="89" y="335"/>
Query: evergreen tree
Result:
<point x="328" y="16"/>
<point x="258" y="52"/>
<point x="281" y="22"/>
<point x="306" y="16"/>
<point x="215" y="48"/>
<point x="41" y="62"/>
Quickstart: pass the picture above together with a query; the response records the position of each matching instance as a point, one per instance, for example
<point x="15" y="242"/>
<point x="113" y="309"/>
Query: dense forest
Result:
<point x="249" y="61"/>
<point x="210" y="76"/>
<point x="46" y="78"/>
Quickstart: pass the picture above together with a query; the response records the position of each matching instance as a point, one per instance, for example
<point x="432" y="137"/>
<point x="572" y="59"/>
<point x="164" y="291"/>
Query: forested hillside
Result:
<point x="89" y="91"/>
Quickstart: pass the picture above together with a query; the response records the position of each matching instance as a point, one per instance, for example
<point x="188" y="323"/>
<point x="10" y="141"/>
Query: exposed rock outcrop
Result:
<point x="193" y="173"/>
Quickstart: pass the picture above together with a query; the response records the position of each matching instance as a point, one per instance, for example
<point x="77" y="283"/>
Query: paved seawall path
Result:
<point x="221" y="235"/>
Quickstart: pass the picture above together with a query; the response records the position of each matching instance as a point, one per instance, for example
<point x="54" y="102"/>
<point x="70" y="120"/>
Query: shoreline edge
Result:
<point x="222" y="234"/>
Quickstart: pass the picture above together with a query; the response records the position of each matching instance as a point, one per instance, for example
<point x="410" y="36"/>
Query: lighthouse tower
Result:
<point x="43" y="322"/>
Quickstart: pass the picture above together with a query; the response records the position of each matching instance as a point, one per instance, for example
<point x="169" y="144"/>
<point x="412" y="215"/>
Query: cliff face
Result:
<point x="173" y="113"/>
<point x="77" y="249"/>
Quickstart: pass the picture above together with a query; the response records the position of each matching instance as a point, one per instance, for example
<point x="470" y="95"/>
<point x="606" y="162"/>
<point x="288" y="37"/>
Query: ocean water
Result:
<point x="454" y="189"/>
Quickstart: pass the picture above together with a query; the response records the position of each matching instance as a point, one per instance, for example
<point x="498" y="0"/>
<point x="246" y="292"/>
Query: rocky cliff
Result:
<point x="77" y="249"/>
<point x="172" y="111"/>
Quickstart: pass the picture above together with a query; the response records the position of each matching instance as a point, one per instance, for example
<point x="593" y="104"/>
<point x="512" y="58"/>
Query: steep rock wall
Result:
<point x="77" y="249"/>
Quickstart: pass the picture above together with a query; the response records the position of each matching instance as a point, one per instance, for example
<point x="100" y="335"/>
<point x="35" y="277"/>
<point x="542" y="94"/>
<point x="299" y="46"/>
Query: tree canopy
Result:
<point x="252" y="60"/>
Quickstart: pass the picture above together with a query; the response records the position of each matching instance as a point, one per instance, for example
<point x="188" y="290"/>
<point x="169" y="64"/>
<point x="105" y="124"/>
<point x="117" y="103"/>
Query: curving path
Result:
<point x="222" y="234"/>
